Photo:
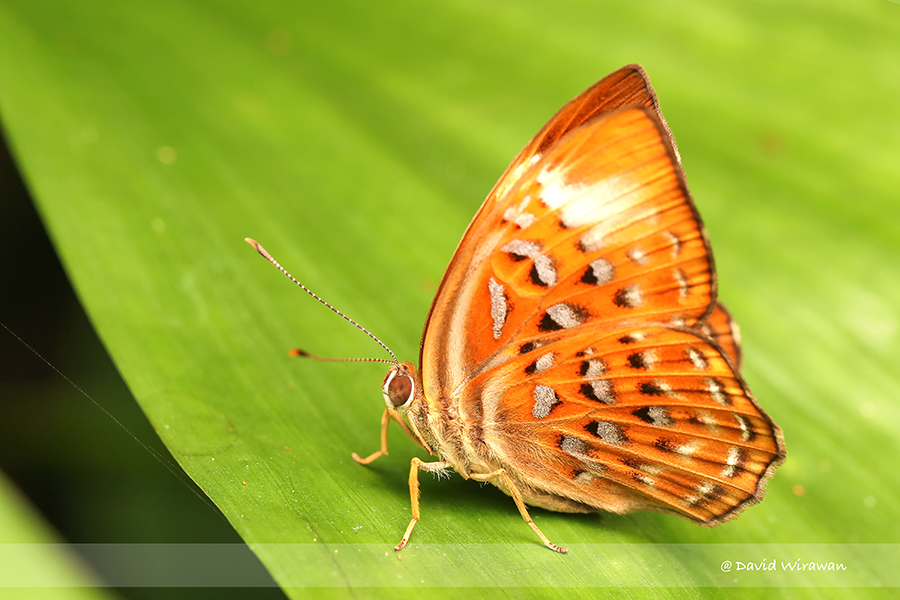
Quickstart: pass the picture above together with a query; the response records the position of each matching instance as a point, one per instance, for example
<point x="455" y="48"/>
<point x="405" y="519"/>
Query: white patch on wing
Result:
<point x="637" y="256"/>
<point x="630" y="296"/>
<point x="688" y="449"/>
<point x="708" y="420"/>
<point x="595" y="368"/>
<point x="659" y="416"/>
<point x="565" y="316"/>
<point x="582" y="207"/>
<point x="648" y="481"/>
<point x="609" y="432"/>
<point x="525" y="220"/>
<point x="573" y="446"/>
<point x="543" y="363"/>
<point x="717" y="391"/>
<point x="543" y="264"/>
<point x="544" y="399"/>
<point x="523" y="248"/>
<point x="580" y="204"/>
<point x="705" y="489"/>
<point x="734" y="457"/>
<point x="603" y="391"/>
<point x="517" y="214"/>
<point x="664" y="388"/>
<point x="498" y="306"/>
<point x="697" y="358"/>
<point x="555" y="192"/>
<point x="744" y="424"/>
<point x="675" y="241"/>
<point x="546" y="270"/>
<point x="682" y="281"/>
<point x="584" y="478"/>
<point x="603" y="271"/>
<point x="644" y="360"/>
<point x="652" y="469"/>
<point x="592" y="240"/>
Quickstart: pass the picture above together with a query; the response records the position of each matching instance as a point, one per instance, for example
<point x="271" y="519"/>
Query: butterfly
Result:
<point x="575" y="354"/>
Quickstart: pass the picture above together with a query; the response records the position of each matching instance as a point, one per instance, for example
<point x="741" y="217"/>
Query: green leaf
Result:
<point x="355" y="141"/>
<point x="32" y="563"/>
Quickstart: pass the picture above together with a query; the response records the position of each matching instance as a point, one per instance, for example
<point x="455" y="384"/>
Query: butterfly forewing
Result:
<point x="615" y="236"/>
<point x="629" y="86"/>
<point x="600" y="230"/>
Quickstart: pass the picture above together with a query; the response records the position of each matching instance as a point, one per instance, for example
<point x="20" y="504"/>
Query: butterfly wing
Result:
<point x="626" y="418"/>
<point x="597" y="241"/>
<point x="600" y="229"/>
<point x="629" y="86"/>
<point x="721" y="328"/>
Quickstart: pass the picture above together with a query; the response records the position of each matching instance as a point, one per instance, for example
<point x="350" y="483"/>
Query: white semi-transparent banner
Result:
<point x="463" y="565"/>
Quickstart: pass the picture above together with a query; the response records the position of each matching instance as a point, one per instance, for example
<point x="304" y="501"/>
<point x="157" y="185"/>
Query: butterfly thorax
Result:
<point x="449" y="435"/>
<point x="446" y="431"/>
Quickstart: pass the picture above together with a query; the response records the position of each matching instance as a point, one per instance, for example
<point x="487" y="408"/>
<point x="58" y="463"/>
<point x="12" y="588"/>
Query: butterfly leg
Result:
<point x="523" y="510"/>
<point x="385" y="421"/>
<point x="415" y="466"/>
<point x="386" y="417"/>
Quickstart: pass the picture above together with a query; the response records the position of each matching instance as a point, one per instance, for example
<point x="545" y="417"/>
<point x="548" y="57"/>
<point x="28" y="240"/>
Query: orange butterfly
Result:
<point x="575" y="354"/>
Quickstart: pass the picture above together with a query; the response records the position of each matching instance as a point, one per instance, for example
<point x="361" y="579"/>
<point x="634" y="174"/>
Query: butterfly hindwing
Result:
<point x="721" y="328"/>
<point x="631" y="418"/>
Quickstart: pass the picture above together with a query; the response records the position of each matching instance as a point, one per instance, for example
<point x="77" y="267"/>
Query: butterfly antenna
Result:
<point x="310" y="355"/>
<point x="297" y="352"/>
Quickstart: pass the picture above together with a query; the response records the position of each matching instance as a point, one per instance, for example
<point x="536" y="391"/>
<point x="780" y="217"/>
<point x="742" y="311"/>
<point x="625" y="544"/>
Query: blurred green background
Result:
<point x="355" y="140"/>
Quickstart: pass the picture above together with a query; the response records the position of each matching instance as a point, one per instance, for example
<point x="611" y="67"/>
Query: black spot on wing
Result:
<point x="664" y="445"/>
<point x="548" y="324"/>
<point x="636" y="361"/>
<point x="535" y="277"/>
<point x="651" y="388"/>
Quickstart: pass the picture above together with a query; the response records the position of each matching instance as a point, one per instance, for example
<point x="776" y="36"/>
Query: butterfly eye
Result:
<point x="399" y="388"/>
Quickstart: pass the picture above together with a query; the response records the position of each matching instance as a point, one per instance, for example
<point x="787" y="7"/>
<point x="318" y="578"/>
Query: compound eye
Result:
<point x="398" y="389"/>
